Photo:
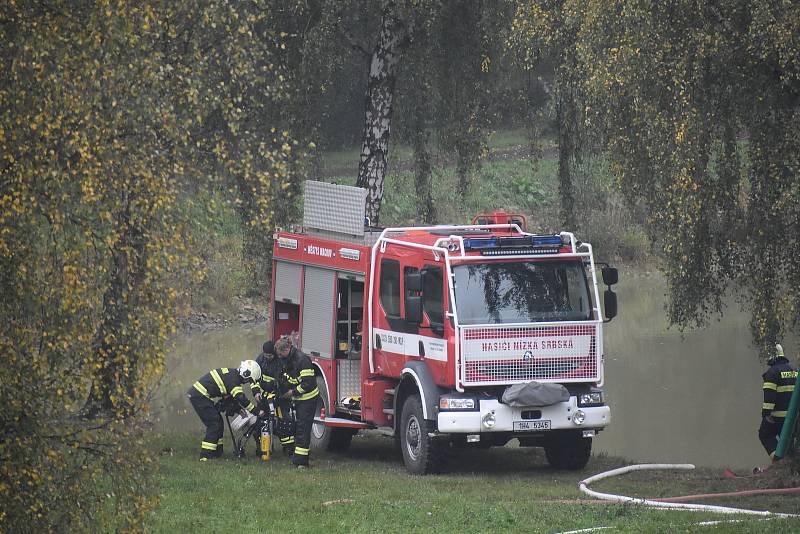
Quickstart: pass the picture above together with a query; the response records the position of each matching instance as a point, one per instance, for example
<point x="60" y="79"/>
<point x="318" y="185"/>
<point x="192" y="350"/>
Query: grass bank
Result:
<point x="367" y="490"/>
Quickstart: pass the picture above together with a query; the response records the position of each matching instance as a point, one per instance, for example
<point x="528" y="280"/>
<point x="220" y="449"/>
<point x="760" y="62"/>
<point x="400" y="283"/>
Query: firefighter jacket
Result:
<point x="271" y="369"/>
<point x="779" y="383"/>
<point x="223" y="383"/>
<point x="298" y="376"/>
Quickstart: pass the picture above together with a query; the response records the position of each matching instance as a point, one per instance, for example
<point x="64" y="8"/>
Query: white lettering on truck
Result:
<point x="320" y="251"/>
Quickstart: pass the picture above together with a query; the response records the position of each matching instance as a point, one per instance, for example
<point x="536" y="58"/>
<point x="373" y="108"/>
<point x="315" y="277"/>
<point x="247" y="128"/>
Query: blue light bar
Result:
<point x="546" y="240"/>
<point x="478" y="243"/>
<point x="515" y="242"/>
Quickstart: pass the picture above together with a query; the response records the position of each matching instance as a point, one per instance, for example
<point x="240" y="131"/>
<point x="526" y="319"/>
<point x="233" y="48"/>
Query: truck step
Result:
<point x="390" y="391"/>
<point x="389" y="411"/>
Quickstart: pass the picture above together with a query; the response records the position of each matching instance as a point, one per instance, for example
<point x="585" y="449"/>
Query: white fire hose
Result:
<point x="584" y="487"/>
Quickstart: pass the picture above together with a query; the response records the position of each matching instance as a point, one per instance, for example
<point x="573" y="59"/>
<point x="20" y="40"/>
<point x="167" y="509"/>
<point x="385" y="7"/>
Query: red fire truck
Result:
<point x="444" y="336"/>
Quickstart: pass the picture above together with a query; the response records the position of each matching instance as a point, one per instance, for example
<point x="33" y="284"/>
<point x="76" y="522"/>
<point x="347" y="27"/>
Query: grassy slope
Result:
<point x="368" y="490"/>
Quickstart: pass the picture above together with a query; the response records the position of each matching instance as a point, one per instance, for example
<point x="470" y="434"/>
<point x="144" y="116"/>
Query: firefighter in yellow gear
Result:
<point x="267" y="390"/>
<point x="217" y="388"/>
<point x="778" y="387"/>
<point x="298" y="383"/>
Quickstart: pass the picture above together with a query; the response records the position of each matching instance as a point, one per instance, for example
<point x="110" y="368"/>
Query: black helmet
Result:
<point x="268" y="347"/>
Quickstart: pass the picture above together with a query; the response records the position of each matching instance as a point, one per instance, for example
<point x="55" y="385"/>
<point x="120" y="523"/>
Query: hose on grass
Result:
<point x="744" y="493"/>
<point x="584" y="487"/>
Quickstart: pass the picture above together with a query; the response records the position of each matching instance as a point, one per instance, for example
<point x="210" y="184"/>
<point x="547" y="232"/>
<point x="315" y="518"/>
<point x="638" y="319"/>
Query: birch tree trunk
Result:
<point x="380" y="93"/>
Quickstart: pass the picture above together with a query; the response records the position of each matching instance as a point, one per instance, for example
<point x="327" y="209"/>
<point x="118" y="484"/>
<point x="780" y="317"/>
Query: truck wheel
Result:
<point x="328" y="438"/>
<point x="568" y="452"/>
<point x="421" y="454"/>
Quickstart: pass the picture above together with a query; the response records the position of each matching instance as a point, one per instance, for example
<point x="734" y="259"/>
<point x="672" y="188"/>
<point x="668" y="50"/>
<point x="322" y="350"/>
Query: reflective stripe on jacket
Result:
<point x="779" y="383"/>
<point x="298" y="374"/>
<point x="223" y="382"/>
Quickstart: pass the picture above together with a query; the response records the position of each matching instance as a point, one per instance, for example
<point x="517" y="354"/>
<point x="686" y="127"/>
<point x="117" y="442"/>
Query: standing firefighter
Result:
<point x="301" y="387"/>
<point x="214" y="389"/>
<point x="778" y="387"/>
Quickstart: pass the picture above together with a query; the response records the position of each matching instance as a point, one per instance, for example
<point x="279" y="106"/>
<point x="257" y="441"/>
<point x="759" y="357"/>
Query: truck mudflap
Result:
<point x="494" y="416"/>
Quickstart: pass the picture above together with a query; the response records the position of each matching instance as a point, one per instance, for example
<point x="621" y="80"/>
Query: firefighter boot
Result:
<point x="208" y="451"/>
<point x="288" y="445"/>
<point x="300" y="457"/>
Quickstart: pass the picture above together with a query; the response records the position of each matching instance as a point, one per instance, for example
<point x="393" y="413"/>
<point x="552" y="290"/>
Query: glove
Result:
<point x="288" y="395"/>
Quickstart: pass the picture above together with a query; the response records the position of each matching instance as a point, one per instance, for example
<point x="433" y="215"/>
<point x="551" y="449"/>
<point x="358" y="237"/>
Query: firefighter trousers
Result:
<point x="305" y="411"/>
<point x="768" y="434"/>
<point x="285" y="425"/>
<point x="211" y="446"/>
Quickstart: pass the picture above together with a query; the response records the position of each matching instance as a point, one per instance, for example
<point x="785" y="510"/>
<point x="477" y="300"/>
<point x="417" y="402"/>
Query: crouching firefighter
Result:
<point x="266" y="391"/>
<point x="215" y="389"/>
<point x="299" y="385"/>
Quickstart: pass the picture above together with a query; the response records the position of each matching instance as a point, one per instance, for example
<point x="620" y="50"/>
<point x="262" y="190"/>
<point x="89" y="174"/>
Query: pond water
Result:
<point x="675" y="398"/>
<point x="691" y="398"/>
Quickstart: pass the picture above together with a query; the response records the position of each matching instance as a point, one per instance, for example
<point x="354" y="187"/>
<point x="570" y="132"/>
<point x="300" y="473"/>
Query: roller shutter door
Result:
<point x="318" y="311"/>
<point x="287" y="282"/>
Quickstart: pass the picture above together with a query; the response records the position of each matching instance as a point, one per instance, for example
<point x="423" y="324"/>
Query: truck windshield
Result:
<point x="521" y="292"/>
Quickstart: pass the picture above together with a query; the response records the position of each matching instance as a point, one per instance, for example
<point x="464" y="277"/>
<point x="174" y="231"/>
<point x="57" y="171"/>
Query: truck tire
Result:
<point x="328" y="438"/>
<point x="421" y="453"/>
<point x="569" y="452"/>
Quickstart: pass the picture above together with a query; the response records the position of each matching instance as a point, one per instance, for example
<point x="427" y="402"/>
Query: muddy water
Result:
<point x="190" y="357"/>
<point x="692" y="398"/>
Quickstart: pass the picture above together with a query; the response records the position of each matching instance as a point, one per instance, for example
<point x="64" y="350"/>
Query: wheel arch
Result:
<point x="318" y="371"/>
<point x="417" y="378"/>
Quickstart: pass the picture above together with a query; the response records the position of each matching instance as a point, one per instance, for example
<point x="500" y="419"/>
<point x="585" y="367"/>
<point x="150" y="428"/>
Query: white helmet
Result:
<point x="778" y="353"/>
<point x="249" y="369"/>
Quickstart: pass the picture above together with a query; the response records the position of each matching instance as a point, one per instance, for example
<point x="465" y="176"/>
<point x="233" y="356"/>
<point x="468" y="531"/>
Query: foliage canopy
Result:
<point x="114" y="116"/>
<point x="698" y="106"/>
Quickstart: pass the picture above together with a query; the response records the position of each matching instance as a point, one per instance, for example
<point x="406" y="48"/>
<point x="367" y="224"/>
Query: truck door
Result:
<point x="389" y="326"/>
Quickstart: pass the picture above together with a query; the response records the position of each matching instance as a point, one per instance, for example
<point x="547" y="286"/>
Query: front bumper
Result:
<point x="559" y="415"/>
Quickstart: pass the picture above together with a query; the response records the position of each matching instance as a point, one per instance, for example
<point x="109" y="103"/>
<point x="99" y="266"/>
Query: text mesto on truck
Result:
<point x="444" y="336"/>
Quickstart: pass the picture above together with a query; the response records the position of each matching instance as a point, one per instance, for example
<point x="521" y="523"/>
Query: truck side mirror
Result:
<point x="610" y="275"/>
<point x="414" y="281"/>
<point x="610" y="303"/>
<point x="414" y="309"/>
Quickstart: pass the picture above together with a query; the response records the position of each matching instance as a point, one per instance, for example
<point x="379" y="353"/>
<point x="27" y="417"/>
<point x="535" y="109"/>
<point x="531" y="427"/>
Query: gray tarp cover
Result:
<point x="535" y="394"/>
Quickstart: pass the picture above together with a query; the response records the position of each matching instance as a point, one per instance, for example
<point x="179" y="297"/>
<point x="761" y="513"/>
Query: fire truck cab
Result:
<point x="444" y="336"/>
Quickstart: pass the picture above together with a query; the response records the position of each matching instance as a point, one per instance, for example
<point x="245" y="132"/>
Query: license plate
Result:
<point x="531" y="426"/>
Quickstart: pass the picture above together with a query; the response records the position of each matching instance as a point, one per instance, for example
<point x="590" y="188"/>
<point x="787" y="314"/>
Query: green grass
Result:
<point x="368" y="490"/>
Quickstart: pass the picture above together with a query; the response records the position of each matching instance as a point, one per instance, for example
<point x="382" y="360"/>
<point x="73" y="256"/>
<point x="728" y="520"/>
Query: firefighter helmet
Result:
<point x="250" y="370"/>
<point x="778" y="353"/>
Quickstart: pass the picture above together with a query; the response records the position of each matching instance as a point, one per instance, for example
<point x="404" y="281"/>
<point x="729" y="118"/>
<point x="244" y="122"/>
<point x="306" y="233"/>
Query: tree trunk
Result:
<point x="422" y="174"/>
<point x="111" y="391"/>
<point x="565" y="153"/>
<point x="380" y="93"/>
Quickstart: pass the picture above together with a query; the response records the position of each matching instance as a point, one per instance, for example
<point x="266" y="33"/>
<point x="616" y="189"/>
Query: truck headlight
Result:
<point x="593" y="398"/>
<point x="578" y="417"/>
<point x="456" y="403"/>
<point x="489" y="420"/>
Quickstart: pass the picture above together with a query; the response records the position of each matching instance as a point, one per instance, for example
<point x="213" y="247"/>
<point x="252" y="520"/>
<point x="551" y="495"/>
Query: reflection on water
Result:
<point x="694" y="398"/>
<point x="193" y="355"/>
